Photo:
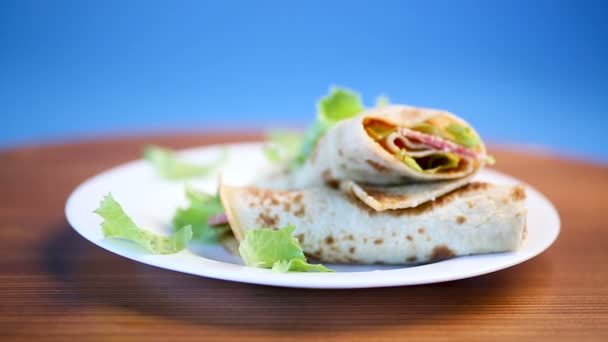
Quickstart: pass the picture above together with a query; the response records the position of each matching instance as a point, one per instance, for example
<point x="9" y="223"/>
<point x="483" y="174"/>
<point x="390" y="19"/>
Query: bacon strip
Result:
<point x="217" y="220"/>
<point x="440" y="143"/>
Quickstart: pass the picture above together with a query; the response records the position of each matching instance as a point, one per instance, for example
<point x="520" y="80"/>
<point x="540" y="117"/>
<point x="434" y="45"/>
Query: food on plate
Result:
<point x="338" y="228"/>
<point x="390" y="157"/>
<point x="408" y="195"/>
<point x="392" y="184"/>
<point x="276" y="249"/>
<point x="201" y="215"/>
<point x="169" y="166"/>
<point x="116" y="224"/>
<point x="392" y="145"/>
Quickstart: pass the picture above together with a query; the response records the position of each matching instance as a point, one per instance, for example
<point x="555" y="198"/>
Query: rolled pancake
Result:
<point x="335" y="227"/>
<point x="348" y="157"/>
<point x="348" y="152"/>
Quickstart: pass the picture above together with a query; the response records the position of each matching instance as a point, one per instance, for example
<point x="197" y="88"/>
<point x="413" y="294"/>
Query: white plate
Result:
<point x="151" y="202"/>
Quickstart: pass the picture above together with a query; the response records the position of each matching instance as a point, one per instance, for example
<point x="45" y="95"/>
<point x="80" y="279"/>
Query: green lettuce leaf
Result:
<point x="167" y="164"/>
<point x="340" y="104"/>
<point x="490" y="160"/>
<point x="116" y="224"/>
<point x="409" y="161"/>
<point x="298" y="265"/>
<point x="276" y="249"/>
<point x="428" y="129"/>
<point x="311" y="136"/>
<point x="382" y="101"/>
<point x="202" y="207"/>
<point x="282" y="146"/>
<point x="462" y="135"/>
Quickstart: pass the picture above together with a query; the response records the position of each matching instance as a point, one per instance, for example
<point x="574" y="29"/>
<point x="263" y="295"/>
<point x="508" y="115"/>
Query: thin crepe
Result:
<point x="336" y="227"/>
<point x="404" y="196"/>
<point x="347" y="152"/>
<point x="348" y="157"/>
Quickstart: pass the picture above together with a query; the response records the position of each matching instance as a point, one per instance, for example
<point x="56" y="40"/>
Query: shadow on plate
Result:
<point x="91" y="275"/>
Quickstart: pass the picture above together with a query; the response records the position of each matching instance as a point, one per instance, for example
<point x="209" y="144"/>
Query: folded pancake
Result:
<point x="335" y="227"/>
<point x="393" y="145"/>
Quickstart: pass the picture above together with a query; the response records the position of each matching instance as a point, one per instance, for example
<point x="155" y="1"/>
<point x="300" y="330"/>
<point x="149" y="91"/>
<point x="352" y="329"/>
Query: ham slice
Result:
<point x="440" y="143"/>
<point x="217" y="220"/>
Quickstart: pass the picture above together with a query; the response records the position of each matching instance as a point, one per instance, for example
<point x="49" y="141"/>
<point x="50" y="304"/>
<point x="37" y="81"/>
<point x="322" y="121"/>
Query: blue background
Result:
<point x="533" y="72"/>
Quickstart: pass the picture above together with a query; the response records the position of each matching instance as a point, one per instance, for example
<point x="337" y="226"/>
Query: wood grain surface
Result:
<point x="55" y="285"/>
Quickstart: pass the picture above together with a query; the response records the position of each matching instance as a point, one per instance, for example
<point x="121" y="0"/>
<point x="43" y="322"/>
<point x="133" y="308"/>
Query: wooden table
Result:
<point x="55" y="285"/>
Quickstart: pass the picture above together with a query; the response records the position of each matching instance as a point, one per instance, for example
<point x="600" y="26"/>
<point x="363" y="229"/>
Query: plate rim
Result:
<point x="338" y="280"/>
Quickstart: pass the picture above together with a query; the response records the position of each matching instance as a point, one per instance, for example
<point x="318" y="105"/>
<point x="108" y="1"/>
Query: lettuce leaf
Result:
<point x="462" y="135"/>
<point x="407" y="160"/>
<point x="490" y="160"/>
<point x="116" y="224"/>
<point x="167" y="164"/>
<point x="276" y="249"/>
<point x="382" y="101"/>
<point x="298" y="265"/>
<point x="281" y="146"/>
<point x="202" y="207"/>
<point x="428" y="129"/>
<point x="311" y="136"/>
<point x="340" y="104"/>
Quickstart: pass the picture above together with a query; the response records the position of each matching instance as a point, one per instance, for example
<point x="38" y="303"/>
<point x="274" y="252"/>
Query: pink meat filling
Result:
<point x="440" y="143"/>
<point x="217" y="220"/>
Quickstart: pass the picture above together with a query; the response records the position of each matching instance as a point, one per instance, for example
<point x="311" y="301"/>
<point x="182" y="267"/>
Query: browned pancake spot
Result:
<point x="378" y="241"/>
<point x="421" y="230"/>
<point x="329" y="240"/>
<point x="409" y="238"/>
<point x="351" y="250"/>
<point x="350" y="237"/>
<point x="441" y="201"/>
<point x="319" y="253"/>
<point x="266" y="220"/>
<point x="253" y="191"/>
<point x="382" y="196"/>
<point x="364" y="240"/>
<point x="518" y="193"/>
<point x="377" y="166"/>
<point x="329" y="180"/>
<point x="300" y="237"/>
<point x="393" y="234"/>
<point x="470" y="204"/>
<point x="297" y="198"/>
<point x="287" y="206"/>
<point x="411" y="259"/>
<point x="300" y="212"/>
<point x="270" y="196"/>
<point x="461" y="219"/>
<point x="441" y="252"/>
